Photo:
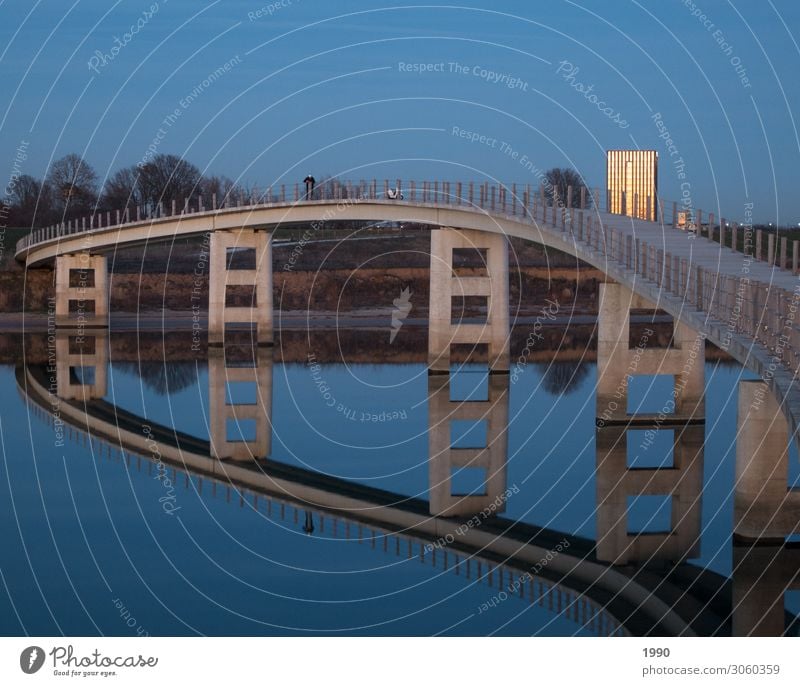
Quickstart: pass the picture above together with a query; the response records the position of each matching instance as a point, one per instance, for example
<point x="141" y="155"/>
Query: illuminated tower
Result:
<point x="632" y="183"/>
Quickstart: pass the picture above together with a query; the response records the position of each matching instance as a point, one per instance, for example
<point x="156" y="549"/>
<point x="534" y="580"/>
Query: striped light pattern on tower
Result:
<point x="632" y="183"/>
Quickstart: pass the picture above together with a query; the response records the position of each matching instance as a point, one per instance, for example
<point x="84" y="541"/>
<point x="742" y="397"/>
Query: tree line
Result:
<point x="71" y="189"/>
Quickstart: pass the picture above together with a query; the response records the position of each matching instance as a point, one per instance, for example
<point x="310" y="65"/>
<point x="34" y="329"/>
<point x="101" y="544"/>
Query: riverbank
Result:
<point x="327" y="276"/>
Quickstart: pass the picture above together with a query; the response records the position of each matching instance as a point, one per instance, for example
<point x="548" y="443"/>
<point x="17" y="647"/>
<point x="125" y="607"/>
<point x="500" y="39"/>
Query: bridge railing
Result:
<point x="760" y="311"/>
<point x="527" y="201"/>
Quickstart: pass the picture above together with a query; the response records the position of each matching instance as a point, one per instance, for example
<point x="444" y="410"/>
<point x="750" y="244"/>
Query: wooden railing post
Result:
<point x="631" y="251"/>
<point x="543" y="203"/>
<point x="684" y="284"/>
<point x="784" y="244"/>
<point x="699" y="302"/>
<point x="555" y="205"/>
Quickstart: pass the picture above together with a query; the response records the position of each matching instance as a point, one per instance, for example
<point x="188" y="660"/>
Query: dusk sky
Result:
<point x="267" y="92"/>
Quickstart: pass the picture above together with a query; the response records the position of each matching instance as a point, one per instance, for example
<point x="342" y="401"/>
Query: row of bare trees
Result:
<point x="71" y="189"/>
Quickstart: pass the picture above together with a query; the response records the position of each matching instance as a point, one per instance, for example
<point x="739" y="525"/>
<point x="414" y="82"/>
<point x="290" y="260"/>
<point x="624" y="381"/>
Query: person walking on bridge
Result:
<point x="310" y="182"/>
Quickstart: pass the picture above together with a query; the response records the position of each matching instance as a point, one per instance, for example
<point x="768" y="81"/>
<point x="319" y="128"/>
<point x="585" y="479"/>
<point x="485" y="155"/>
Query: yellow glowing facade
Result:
<point x="632" y="179"/>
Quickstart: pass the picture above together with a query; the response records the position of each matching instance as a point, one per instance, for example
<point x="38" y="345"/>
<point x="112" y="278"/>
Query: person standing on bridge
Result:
<point x="310" y="182"/>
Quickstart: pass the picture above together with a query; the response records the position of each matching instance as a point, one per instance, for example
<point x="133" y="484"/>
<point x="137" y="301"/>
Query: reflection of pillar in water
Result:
<point x="257" y="245"/>
<point x="490" y="285"/>
<point x="81" y="363"/>
<point x="766" y="511"/>
<point x="762" y="573"/>
<point x="618" y="485"/>
<point x="483" y="454"/>
<point x="617" y="361"/>
<point x="240" y="403"/>
<point x="764" y="505"/>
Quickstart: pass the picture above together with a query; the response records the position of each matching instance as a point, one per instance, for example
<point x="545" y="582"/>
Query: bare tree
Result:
<point x="224" y="188"/>
<point x="123" y="189"/>
<point x="561" y="179"/>
<point x="74" y="185"/>
<point x="166" y="178"/>
<point x="30" y="202"/>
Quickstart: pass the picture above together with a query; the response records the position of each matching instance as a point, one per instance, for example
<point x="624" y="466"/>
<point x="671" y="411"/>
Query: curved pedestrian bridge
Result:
<point x="744" y="303"/>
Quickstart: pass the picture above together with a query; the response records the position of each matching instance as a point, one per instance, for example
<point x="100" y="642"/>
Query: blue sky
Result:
<point x="313" y="85"/>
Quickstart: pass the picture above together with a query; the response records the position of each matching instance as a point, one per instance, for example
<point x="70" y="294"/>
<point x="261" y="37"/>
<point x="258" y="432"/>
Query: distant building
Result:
<point x="632" y="178"/>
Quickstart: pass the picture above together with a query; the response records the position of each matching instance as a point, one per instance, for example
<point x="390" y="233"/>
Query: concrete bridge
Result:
<point x="744" y="303"/>
<point x="628" y="581"/>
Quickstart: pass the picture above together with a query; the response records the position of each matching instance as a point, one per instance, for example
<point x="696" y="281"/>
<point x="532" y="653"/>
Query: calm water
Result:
<point x="104" y="540"/>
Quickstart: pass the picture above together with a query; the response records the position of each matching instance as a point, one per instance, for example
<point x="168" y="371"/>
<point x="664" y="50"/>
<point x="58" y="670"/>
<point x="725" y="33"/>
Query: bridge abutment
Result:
<point x="81" y="290"/>
<point x="491" y="286"/>
<point x="762" y="574"/>
<point x="764" y="505"/>
<point x="480" y="450"/>
<point x="258" y="279"/>
<point x="766" y="512"/>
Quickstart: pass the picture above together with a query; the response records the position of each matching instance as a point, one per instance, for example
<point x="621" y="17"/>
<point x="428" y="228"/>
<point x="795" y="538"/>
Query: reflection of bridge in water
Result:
<point x="635" y="582"/>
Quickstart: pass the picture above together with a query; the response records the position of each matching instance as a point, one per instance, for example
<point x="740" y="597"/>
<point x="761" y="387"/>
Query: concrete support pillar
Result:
<point x="81" y="364"/>
<point x="259" y="311"/>
<point x="240" y="403"/>
<point x="619" y="359"/>
<point x="481" y="420"/>
<point x="764" y="506"/>
<point x="82" y="279"/>
<point x="492" y="285"/>
<point x="618" y="484"/>
<point x="761" y="576"/>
